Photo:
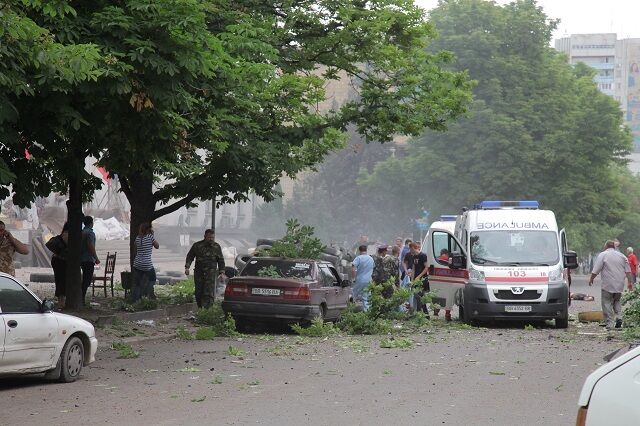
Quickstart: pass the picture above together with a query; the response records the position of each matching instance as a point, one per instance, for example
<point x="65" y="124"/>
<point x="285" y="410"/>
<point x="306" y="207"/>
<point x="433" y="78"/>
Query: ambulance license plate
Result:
<point x="266" y="291"/>
<point x="517" y="308"/>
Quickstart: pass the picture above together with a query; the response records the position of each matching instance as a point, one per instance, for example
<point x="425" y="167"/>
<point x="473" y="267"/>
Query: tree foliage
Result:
<point x="537" y="129"/>
<point x="298" y="242"/>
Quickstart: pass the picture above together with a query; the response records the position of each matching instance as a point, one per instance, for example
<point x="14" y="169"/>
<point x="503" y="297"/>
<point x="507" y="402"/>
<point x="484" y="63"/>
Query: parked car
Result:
<point x="37" y="340"/>
<point x="610" y="394"/>
<point x="292" y="290"/>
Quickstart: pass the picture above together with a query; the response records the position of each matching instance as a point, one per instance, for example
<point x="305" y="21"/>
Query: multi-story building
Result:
<point x="617" y="62"/>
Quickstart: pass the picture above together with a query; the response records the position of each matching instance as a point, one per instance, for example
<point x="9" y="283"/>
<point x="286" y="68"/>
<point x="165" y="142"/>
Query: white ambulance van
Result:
<point x="507" y="262"/>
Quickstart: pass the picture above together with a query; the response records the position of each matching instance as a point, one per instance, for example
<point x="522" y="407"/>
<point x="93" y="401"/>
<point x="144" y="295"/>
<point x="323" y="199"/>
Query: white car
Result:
<point x="34" y="339"/>
<point x="610" y="394"/>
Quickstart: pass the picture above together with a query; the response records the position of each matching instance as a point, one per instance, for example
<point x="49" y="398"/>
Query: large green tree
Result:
<point x="537" y="129"/>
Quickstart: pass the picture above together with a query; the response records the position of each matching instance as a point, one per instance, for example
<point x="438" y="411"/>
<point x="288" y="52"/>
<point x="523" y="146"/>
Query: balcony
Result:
<point x="602" y="65"/>
<point x="601" y="79"/>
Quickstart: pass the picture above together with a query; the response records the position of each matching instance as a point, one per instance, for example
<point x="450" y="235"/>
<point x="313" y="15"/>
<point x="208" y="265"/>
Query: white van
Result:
<point x="507" y="261"/>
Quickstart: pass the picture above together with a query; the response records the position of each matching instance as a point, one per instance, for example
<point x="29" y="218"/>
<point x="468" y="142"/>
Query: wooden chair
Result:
<point x="107" y="279"/>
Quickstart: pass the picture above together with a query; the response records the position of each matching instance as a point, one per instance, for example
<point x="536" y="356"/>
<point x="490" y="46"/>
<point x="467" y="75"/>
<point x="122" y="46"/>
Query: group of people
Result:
<point x="406" y="264"/>
<point x="143" y="273"/>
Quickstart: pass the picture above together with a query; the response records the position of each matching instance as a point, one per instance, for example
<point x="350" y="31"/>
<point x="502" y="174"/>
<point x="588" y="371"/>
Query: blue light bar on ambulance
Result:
<point x="448" y="218"/>
<point x="490" y="204"/>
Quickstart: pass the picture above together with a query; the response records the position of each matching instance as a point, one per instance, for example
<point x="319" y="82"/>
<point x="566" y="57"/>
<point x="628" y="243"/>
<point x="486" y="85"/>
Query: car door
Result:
<point x="31" y="336"/>
<point x="330" y="288"/>
<point x="343" y="294"/>
<point x="445" y="281"/>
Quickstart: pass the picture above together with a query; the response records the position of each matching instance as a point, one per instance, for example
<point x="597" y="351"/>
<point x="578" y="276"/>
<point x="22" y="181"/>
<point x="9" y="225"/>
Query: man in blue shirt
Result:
<point x="362" y="268"/>
<point x="88" y="256"/>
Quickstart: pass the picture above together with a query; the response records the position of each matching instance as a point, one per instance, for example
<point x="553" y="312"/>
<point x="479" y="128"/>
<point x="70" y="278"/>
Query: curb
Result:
<point x="166" y="312"/>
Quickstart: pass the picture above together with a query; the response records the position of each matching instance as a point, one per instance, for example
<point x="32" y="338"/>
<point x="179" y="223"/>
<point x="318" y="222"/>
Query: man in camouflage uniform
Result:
<point x="386" y="267"/>
<point x="8" y="246"/>
<point x="209" y="260"/>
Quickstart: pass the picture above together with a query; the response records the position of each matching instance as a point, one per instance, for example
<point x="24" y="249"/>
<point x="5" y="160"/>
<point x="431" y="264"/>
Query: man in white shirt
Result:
<point x="613" y="267"/>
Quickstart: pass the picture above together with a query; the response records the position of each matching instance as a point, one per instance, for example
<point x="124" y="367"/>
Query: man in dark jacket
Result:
<point x="209" y="260"/>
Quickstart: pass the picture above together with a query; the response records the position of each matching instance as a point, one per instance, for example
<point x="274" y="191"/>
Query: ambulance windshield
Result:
<point x="514" y="248"/>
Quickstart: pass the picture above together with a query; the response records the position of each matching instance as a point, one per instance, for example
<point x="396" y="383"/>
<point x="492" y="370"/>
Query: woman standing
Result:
<point x="144" y="276"/>
<point x="58" y="245"/>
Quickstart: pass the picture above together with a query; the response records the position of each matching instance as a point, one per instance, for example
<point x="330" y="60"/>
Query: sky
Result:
<point x="586" y="16"/>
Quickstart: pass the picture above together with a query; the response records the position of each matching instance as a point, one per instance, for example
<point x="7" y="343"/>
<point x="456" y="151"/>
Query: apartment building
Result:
<point x="617" y="62"/>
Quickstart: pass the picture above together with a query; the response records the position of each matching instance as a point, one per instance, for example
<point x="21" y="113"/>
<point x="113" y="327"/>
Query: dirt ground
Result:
<point x="500" y="375"/>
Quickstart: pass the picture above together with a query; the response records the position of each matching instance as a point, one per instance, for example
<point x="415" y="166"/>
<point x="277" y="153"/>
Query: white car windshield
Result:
<point x="514" y="248"/>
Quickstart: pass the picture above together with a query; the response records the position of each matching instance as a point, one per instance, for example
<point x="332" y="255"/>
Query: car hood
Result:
<point x="72" y="324"/>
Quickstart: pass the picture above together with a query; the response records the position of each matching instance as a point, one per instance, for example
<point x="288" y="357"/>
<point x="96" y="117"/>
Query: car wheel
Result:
<point x="241" y="324"/>
<point x="562" y="322"/>
<point x="71" y="360"/>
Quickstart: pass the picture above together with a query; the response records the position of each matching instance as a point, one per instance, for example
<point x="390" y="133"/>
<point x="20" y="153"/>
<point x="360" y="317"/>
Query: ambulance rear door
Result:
<point x="445" y="281"/>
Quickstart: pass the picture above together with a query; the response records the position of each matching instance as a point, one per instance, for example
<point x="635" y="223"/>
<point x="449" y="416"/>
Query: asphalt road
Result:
<point x="500" y="375"/>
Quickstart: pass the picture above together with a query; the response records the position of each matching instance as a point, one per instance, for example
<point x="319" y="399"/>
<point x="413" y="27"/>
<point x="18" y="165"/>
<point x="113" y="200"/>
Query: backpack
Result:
<point x="378" y="275"/>
<point x="56" y="245"/>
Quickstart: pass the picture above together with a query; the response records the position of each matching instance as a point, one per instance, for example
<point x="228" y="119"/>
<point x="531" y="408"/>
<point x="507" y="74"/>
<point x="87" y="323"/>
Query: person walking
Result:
<point x="417" y="267"/>
<point x="209" y="261"/>
<point x="613" y="267"/>
<point x="88" y="257"/>
<point x="633" y="264"/>
<point x="58" y="246"/>
<point x="9" y="245"/>
<point x="143" y="274"/>
<point x="362" y="270"/>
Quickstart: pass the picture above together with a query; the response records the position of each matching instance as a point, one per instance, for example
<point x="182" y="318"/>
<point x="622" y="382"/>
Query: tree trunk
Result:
<point x="143" y="206"/>
<point x="74" y="219"/>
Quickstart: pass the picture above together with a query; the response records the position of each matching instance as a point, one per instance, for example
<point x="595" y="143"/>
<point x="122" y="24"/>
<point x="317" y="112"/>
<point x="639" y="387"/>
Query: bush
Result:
<point x="385" y="301"/>
<point x="631" y="302"/>
<point x="205" y="333"/>
<point x="178" y="293"/>
<point x="183" y="333"/>
<point x="183" y="291"/>
<point x="363" y="323"/>
<point x="214" y="316"/>
<point x="297" y="243"/>
<point x="318" y="328"/>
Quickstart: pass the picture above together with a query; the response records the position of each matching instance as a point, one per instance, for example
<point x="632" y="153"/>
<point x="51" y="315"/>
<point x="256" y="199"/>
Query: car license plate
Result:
<point x="265" y="291"/>
<point x="517" y="308"/>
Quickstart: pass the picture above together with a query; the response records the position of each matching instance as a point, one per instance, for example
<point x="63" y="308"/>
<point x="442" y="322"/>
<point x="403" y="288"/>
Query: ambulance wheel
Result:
<point x="562" y="322"/>
<point x="465" y="315"/>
